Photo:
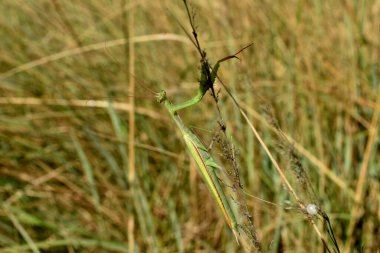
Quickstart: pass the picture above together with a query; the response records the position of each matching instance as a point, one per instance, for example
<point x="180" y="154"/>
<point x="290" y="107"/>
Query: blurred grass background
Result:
<point x="79" y="172"/>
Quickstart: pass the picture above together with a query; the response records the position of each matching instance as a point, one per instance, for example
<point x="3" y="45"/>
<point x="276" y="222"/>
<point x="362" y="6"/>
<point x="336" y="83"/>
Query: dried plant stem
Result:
<point x="319" y="164"/>
<point x="281" y="173"/>
<point x="23" y="232"/>
<point x="233" y="172"/>
<point x="372" y="134"/>
<point x="128" y="30"/>
<point x="131" y="237"/>
<point x="131" y="64"/>
<point x="279" y="170"/>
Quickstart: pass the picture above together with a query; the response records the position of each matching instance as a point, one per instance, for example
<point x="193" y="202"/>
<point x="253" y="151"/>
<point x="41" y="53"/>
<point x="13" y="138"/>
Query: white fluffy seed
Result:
<point x="312" y="209"/>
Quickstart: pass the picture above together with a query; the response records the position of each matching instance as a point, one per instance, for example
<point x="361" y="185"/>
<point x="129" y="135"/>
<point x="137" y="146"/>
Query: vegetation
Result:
<point x="91" y="162"/>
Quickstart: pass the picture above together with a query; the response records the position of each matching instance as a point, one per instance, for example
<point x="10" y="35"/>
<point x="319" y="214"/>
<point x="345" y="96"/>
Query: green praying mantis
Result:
<point x="202" y="157"/>
<point x="198" y="151"/>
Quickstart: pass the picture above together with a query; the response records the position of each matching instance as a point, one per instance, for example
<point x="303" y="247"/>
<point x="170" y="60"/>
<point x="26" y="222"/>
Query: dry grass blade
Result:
<point x="89" y="103"/>
<point x="361" y="183"/>
<point x="89" y="48"/>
